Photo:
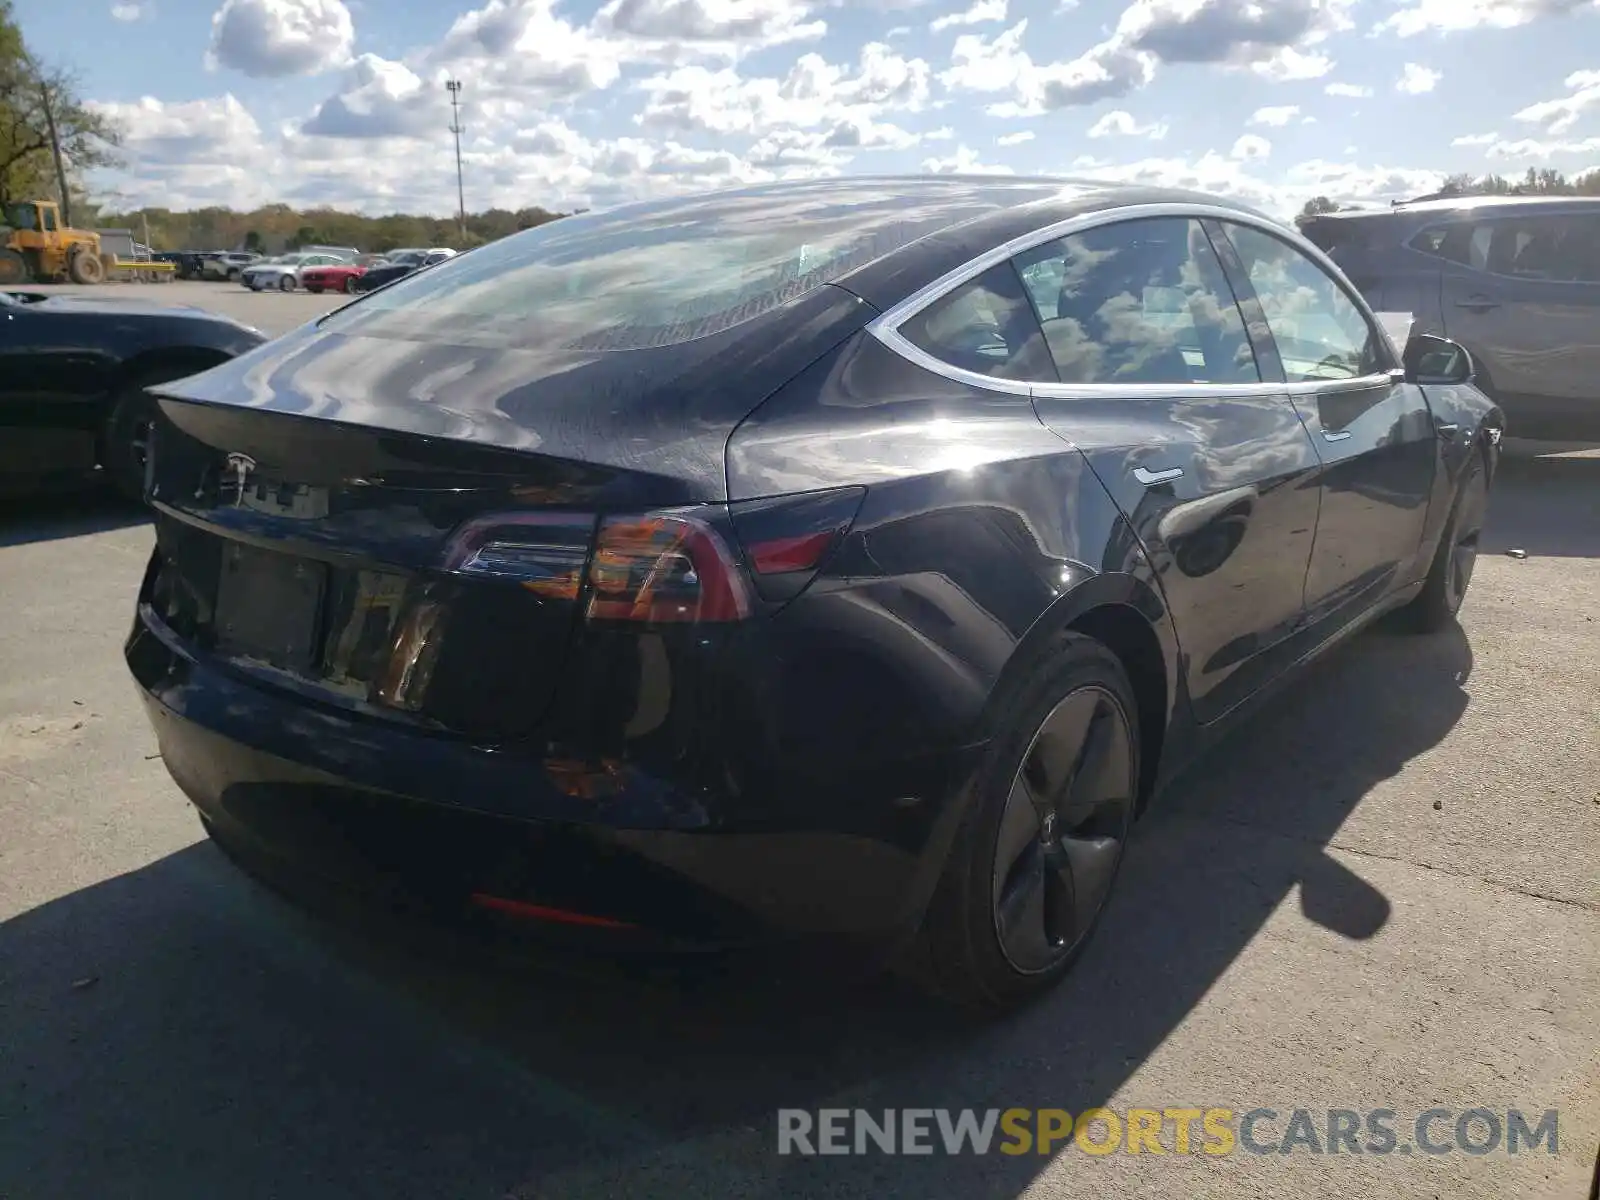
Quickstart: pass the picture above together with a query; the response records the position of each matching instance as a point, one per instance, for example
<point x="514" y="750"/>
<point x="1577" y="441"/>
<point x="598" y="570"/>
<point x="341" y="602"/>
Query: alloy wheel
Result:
<point x="1063" y="830"/>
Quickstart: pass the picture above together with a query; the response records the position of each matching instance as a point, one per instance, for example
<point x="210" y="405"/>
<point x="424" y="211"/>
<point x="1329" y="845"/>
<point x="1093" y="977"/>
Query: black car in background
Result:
<point x="72" y="377"/>
<point x="398" y="264"/>
<point x="849" y="558"/>
<point x="1515" y="279"/>
<point x="187" y="264"/>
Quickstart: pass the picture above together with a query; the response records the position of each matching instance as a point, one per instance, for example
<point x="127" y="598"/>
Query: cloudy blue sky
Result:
<point x="585" y="102"/>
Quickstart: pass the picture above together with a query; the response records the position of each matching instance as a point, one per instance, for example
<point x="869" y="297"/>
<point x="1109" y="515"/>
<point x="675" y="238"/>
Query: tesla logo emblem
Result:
<point x="236" y="473"/>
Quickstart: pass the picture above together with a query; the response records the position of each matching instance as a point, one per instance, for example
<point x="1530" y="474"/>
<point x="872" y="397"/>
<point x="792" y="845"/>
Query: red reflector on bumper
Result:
<point x="541" y="912"/>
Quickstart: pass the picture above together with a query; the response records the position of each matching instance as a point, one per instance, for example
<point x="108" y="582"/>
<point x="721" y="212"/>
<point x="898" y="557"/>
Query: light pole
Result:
<point x="454" y="88"/>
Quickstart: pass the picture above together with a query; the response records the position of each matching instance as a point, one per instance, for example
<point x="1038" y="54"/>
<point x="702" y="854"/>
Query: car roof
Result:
<point x="954" y="192"/>
<point x="962" y="216"/>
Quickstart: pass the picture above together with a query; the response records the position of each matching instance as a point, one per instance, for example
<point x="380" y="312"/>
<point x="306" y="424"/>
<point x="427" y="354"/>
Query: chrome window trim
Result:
<point x="886" y="327"/>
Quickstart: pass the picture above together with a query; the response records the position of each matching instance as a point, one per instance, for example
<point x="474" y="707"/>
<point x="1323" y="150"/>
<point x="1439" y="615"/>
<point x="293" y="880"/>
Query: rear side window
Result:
<point x="986" y="326"/>
<point x="1138" y="302"/>
<point x="1554" y="247"/>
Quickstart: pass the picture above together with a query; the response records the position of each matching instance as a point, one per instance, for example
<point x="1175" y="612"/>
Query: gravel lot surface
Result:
<point x="1382" y="893"/>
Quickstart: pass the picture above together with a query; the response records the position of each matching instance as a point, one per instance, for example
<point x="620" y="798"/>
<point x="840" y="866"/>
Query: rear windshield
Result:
<point x="670" y="271"/>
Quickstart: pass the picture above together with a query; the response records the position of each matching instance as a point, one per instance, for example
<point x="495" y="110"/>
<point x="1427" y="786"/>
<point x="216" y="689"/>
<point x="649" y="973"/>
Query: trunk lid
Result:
<point x="311" y="556"/>
<point x="309" y="495"/>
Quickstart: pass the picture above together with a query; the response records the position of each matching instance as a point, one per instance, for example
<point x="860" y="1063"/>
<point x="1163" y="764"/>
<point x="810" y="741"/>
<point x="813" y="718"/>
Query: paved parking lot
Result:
<point x="1383" y="893"/>
<point x="272" y="312"/>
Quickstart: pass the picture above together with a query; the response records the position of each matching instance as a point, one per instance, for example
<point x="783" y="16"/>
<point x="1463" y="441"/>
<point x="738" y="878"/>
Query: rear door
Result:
<point x="52" y="386"/>
<point x="1161" y="390"/>
<point x="1523" y="295"/>
<point x="1373" y="432"/>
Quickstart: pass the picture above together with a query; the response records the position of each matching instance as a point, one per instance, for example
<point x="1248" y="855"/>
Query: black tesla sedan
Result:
<point x="849" y="558"/>
<point x="73" y="370"/>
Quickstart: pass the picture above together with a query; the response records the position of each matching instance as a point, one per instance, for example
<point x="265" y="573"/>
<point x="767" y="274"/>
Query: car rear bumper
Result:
<point x="411" y="819"/>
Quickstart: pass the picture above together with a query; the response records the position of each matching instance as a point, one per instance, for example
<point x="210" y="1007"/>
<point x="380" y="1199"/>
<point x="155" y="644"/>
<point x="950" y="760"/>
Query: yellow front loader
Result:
<point x="36" y="247"/>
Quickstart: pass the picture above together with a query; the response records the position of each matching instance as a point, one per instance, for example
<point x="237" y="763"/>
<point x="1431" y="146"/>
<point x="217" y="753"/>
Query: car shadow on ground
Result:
<point x="26" y="520"/>
<point x="175" y="1031"/>
<point x="179" y="1030"/>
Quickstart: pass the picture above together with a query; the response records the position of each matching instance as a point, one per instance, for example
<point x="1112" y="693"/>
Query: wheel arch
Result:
<point x="151" y="366"/>
<point x="1125" y="613"/>
<point x="163" y="360"/>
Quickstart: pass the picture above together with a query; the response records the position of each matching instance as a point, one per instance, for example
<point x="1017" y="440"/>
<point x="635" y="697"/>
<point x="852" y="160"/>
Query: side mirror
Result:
<point x="1432" y="359"/>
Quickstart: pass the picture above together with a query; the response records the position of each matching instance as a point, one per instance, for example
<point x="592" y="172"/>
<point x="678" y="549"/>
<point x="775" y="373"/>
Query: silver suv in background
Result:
<point x="1515" y="279"/>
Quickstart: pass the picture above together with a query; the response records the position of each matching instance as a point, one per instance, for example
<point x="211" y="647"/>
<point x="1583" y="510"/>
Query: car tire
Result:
<point x="1450" y="574"/>
<point x="349" y="285"/>
<point x="233" y="276"/>
<point x="1039" y="849"/>
<point x="286" y="284"/>
<point x="125" y="438"/>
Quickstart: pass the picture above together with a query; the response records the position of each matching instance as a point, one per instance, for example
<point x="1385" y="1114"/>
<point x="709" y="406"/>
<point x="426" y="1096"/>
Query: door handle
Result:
<point x="1329" y="435"/>
<point x="1447" y="430"/>
<point x="1152" y="477"/>
<point x="1478" y="303"/>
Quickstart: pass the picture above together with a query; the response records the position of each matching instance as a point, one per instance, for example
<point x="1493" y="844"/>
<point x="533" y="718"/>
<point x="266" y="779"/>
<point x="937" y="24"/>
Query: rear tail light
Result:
<point x="666" y="567"/>
<point x="676" y="566"/>
<point x="786" y="539"/>
<point x="544" y="552"/>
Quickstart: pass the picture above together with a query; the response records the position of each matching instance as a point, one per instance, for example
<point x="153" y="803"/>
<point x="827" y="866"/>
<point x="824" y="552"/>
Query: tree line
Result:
<point x="1537" y="182"/>
<point x="275" y="228"/>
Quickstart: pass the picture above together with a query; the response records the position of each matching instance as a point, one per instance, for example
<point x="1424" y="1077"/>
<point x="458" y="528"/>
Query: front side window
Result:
<point x="986" y="326"/>
<point x="1138" y="302"/>
<point x="1320" y="333"/>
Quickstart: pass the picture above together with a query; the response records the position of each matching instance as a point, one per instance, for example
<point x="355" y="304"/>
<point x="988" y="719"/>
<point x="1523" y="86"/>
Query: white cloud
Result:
<point x="1290" y="65"/>
<point x="999" y="64"/>
<point x="1274" y="38"/>
<point x="979" y="13"/>
<point x="813" y="93"/>
<point x="1251" y="146"/>
<point x="964" y="161"/>
<point x="127" y="12"/>
<point x="673" y="29"/>
<point x="521" y="48"/>
<point x="1558" y="116"/>
<point x="273" y="38"/>
<point x="381" y="99"/>
<point x="1275" y="115"/>
<point x="899" y="31"/>
<point x="1416" y="79"/>
<point x="1455" y="16"/>
<point x="155" y="131"/>
<point x="1233" y="32"/>
<point x="1347" y="89"/>
<point x="1525" y="148"/>
<point x="188" y="154"/>
<point x="1015" y="139"/>
<point x="943" y="134"/>
<point x="1475" y="139"/>
<point x="1122" y="124"/>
